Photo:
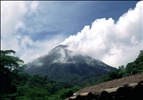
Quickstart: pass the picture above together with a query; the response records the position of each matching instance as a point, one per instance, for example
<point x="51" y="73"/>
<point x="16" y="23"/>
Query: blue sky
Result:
<point x="33" y="28"/>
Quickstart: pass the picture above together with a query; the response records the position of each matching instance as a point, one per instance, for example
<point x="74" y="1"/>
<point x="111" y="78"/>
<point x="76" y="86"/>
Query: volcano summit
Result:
<point x="63" y="65"/>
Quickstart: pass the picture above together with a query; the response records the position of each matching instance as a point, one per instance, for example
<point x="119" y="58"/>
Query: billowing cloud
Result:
<point x="115" y="43"/>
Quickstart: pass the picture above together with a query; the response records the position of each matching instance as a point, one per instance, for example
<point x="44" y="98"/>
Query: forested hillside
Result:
<point x="132" y="68"/>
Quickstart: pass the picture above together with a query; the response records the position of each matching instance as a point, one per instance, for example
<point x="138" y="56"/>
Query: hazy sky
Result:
<point x="106" y="30"/>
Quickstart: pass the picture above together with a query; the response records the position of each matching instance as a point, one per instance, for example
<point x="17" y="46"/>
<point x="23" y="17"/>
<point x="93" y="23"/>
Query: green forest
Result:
<point x="15" y="84"/>
<point x="132" y="68"/>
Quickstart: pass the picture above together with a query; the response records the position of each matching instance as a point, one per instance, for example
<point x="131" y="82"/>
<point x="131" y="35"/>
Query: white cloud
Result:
<point x="13" y="13"/>
<point x="32" y="50"/>
<point x="114" y="43"/>
<point x="34" y="5"/>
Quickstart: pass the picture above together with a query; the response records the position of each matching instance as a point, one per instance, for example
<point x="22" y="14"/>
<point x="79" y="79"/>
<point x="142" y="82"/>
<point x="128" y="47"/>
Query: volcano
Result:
<point x="63" y="65"/>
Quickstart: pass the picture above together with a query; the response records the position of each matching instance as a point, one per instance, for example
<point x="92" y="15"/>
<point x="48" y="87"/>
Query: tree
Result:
<point x="121" y="71"/>
<point x="8" y="61"/>
<point x="136" y="66"/>
<point x="9" y="66"/>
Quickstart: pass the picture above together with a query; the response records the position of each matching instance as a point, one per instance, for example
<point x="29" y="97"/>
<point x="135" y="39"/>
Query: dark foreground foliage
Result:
<point x="16" y="85"/>
<point x="37" y="88"/>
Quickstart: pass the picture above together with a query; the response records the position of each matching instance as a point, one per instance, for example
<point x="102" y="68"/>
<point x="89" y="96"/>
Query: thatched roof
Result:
<point x="112" y="84"/>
